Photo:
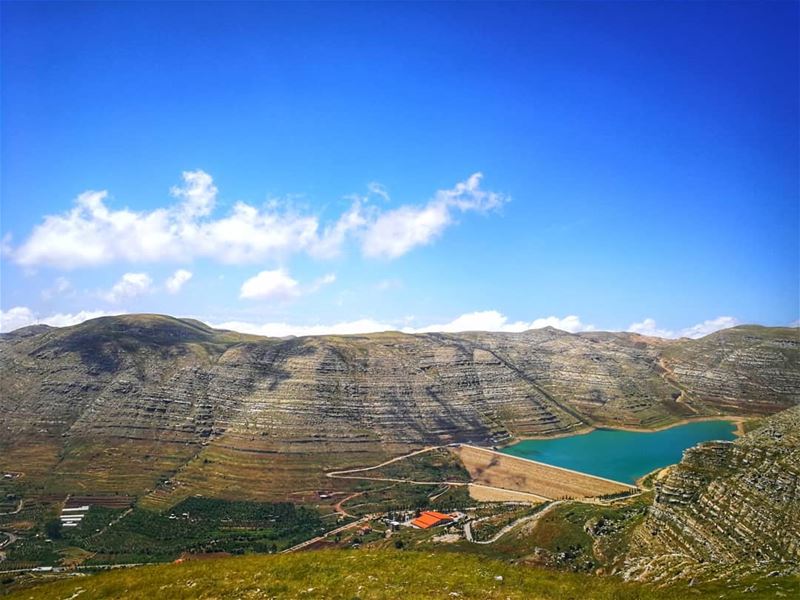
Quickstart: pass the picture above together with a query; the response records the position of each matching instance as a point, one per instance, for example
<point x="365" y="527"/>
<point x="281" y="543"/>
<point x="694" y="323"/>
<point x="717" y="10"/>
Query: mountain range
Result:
<point x="121" y="404"/>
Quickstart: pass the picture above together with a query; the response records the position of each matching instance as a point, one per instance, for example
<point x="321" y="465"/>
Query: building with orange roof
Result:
<point x="431" y="518"/>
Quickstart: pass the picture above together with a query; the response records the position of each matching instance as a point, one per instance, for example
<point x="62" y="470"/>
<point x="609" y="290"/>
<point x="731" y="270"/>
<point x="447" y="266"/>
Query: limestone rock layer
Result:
<point x="158" y="378"/>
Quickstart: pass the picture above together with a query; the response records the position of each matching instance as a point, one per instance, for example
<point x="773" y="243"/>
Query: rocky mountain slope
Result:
<point x="727" y="509"/>
<point x="121" y="403"/>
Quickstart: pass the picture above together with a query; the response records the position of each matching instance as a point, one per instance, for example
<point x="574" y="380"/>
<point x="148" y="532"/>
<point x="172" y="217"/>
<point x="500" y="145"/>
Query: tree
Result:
<point x="53" y="529"/>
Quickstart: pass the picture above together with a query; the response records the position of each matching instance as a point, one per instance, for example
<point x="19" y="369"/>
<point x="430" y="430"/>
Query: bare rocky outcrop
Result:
<point x="744" y="369"/>
<point x="179" y="379"/>
<point x="728" y="508"/>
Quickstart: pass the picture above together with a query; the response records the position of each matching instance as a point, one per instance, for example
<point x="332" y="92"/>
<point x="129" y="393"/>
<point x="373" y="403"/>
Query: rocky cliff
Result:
<point x="727" y="509"/>
<point x="162" y="395"/>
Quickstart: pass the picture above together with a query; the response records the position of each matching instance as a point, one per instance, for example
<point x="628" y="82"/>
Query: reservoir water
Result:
<point x="622" y="455"/>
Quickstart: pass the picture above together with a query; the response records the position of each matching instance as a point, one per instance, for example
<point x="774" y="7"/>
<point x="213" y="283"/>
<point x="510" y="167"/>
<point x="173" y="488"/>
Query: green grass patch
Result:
<point x="365" y="575"/>
<point x="436" y="465"/>
<point x="390" y="497"/>
<point x="204" y="525"/>
<point x="196" y="525"/>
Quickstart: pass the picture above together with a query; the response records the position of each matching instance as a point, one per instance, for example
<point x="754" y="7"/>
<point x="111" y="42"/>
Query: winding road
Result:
<point x="10" y="538"/>
<point x="319" y="538"/>
<point x="510" y="526"/>
<point x="16" y="510"/>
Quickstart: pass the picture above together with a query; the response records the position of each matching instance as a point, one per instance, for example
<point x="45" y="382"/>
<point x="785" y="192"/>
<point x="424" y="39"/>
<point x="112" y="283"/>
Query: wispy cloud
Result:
<point x="321" y="282"/>
<point x="177" y="280"/>
<point x="398" y="231"/>
<point x="92" y="233"/>
<point x="61" y="287"/>
<point x="379" y="190"/>
<point x="385" y="285"/>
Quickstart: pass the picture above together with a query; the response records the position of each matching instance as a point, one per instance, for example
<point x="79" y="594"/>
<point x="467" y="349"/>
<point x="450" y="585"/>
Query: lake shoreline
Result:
<point x="626" y="454"/>
<point x="738" y="421"/>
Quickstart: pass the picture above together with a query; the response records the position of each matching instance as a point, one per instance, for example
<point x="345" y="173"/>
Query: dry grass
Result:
<point x="511" y="473"/>
<point x="486" y="494"/>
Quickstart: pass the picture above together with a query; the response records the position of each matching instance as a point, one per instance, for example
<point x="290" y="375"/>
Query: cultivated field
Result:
<point x="494" y="469"/>
<point x="118" y="502"/>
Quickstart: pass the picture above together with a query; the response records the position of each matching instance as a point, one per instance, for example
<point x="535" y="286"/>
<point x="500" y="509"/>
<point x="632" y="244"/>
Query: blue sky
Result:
<point x="304" y="168"/>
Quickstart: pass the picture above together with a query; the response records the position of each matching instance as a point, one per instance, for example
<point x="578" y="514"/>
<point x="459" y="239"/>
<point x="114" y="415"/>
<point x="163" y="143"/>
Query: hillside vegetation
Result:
<point x="370" y="575"/>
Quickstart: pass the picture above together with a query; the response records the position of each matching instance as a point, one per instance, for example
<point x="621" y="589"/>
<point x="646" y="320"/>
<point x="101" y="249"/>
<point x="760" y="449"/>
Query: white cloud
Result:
<point x="397" y="231"/>
<point x="649" y="327"/>
<point x="22" y="316"/>
<point x="489" y="320"/>
<point x="279" y="285"/>
<point x="286" y="329"/>
<point x="706" y="327"/>
<point x="129" y="286"/>
<point x="570" y="323"/>
<point x="199" y="194"/>
<point x="92" y="233"/>
<point x="329" y="244"/>
<point x="175" y="281"/>
<point x="492" y="320"/>
<point x="14" y="318"/>
<point x="276" y="284"/>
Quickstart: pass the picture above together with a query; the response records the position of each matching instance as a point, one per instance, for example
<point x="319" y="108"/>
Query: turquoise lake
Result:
<point x="622" y="455"/>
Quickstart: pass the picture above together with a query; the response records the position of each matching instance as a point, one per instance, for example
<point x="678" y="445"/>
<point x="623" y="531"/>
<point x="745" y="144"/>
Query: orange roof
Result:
<point x="430" y="518"/>
<point x="438" y="515"/>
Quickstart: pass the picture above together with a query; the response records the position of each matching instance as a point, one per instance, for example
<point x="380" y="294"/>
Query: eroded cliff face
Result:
<point x="728" y="508"/>
<point x="172" y="390"/>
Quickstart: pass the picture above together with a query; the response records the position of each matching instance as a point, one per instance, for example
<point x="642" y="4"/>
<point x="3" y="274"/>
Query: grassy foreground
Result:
<point x="355" y="574"/>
